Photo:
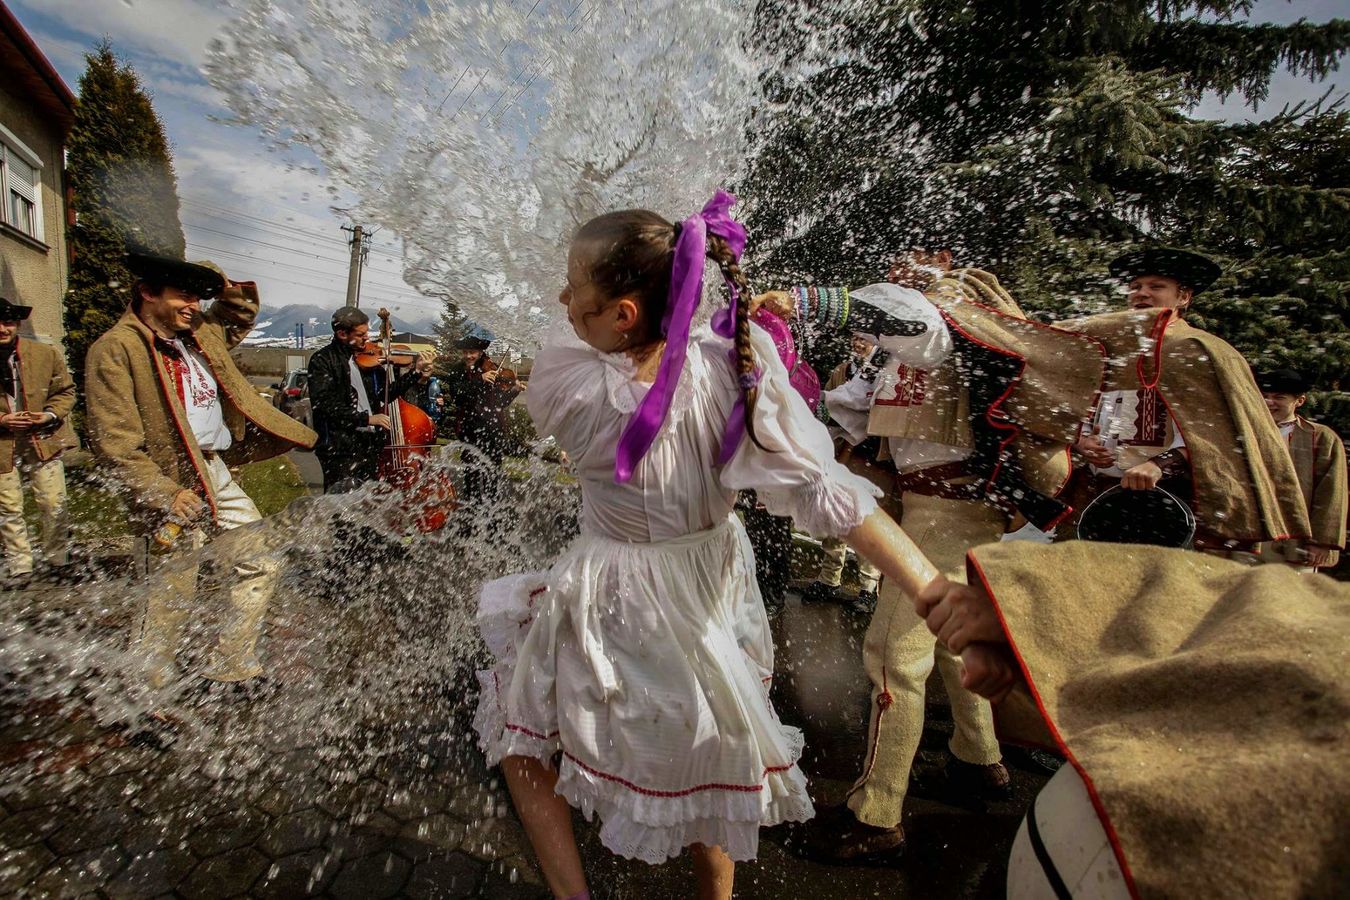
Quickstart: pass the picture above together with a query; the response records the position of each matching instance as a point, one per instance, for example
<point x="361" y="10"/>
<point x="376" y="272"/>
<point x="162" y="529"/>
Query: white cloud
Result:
<point x="173" y="29"/>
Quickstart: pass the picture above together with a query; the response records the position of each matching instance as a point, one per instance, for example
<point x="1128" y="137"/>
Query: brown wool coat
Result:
<point x="1203" y="701"/>
<point x="138" y="429"/>
<point x="1059" y="382"/>
<point x="47" y="387"/>
<point x="1319" y="461"/>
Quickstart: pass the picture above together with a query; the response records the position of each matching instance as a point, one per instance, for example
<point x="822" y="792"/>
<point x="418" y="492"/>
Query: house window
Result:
<point x="20" y="181"/>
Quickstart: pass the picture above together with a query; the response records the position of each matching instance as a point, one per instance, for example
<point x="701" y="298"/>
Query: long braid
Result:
<point x="720" y="253"/>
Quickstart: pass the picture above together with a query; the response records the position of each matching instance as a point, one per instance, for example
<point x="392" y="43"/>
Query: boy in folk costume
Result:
<point x="1319" y="460"/>
<point x="978" y="407"/>
<point x="1177" y="403"/>
<point x="34" y="432"/>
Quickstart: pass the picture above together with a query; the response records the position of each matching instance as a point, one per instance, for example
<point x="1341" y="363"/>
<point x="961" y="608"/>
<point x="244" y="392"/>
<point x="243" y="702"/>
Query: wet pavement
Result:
<point x="263" y="802"/>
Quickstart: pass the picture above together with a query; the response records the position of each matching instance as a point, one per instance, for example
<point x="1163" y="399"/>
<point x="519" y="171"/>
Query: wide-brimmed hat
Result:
<point x="476" y="338"/>
<point x="1190" y="269"/>
<point x="193" y="278"/>
<point x="1282" y="381"/>
<point x="13" y="312"/>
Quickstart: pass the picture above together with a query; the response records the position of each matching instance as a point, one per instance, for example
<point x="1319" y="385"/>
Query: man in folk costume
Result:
<point x="168" y="413"/>
<point x="34" y="431"/>
<point x="1319" y="460"/>
<point x="1201" y="704"/>
<point x="1180" y="409"/>
<point x="978" y="407"/>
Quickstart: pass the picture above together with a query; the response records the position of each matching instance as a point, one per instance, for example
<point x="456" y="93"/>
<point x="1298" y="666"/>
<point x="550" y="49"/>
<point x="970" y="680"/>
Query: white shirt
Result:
<point x="1137" y="426"/>
<point x="359" y="385"/>
<point x="201" y="401"/>
<point x="585" y="398"/>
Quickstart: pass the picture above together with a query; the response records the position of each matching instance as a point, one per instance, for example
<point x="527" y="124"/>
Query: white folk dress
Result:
<point x="644" y="655"/>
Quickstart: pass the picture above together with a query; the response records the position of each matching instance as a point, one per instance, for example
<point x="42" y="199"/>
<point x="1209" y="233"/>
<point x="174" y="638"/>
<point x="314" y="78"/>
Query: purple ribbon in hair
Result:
<point x="686" y="290"/>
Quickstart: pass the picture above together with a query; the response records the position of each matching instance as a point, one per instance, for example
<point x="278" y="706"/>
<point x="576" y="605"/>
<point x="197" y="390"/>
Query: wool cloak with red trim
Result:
<point x="1204" y="702"/>
<point x="1244" y="485"/>
<point x="1014" y="391"/>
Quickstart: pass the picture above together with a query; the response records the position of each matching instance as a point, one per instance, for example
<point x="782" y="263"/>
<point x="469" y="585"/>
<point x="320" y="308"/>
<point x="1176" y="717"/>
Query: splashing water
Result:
<point x="483" y="134"/>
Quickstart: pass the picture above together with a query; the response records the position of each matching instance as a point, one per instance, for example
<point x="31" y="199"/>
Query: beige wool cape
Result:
<point x="1204" y="703"/>
<point x="138" y="429"/>
<point x="1243" y="481"/>
<point x="1059" y="377"/>
<point x="1319" y="460"/>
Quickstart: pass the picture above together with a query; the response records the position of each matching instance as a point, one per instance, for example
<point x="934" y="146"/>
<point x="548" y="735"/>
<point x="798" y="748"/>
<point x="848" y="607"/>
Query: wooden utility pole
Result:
<point x="358" y="245"/>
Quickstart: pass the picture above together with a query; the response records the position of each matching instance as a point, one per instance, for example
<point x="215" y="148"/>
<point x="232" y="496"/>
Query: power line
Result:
<point x="280" y="228"/>
<point x="296" y="250"/>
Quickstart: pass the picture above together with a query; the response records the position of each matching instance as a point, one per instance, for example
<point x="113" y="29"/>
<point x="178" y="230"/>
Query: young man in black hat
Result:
<point x="168" y="413"/>
<point x="1319" y="460"/>
<point x="1180" y="409"/>
<point x="34" y="431"/>
<point x="348" y="402"/>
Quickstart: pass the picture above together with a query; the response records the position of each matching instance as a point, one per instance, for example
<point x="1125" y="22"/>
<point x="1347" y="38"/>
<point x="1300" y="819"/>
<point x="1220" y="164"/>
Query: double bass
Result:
<point x="404" y="462"/>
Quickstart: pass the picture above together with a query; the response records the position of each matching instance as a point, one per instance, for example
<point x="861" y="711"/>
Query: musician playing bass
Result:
<point x="349" y="401"/>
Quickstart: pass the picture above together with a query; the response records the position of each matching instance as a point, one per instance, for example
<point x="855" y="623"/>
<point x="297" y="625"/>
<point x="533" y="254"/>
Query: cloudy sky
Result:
<point x="269" y="214"/>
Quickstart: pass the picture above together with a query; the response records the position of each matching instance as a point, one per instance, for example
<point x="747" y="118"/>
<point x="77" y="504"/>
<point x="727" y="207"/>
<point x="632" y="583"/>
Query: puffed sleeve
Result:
<point x="795" y="474"/>
<point x="566" y="395"/>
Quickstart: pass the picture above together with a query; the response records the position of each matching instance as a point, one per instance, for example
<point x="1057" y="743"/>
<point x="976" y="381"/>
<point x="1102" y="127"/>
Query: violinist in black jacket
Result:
<point x="349" y="401"/>
<point x="481" y="400"/>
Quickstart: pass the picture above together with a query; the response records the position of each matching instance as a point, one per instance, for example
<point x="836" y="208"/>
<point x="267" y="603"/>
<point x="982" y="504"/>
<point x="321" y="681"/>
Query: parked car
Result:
<point x="292" y="397"/>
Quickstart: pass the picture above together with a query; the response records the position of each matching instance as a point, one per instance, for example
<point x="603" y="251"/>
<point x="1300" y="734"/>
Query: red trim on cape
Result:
<point x="973" y="565"/>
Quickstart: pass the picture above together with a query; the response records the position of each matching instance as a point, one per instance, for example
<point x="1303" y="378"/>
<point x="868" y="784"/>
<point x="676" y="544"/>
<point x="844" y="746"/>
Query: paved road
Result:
<point x="357" y="776"/>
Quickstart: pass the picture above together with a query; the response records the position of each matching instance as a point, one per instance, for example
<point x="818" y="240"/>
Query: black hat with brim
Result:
<point x="1282" y="381"/>
<point x="1190" y="269"/>
<point x="194" y="279"/>
<point x="13" y="312"/>
<point x="472" y="342"/>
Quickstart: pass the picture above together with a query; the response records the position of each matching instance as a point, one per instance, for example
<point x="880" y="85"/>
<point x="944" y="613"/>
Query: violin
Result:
<point x="505" y="377"/>
<point x="429" y="493"/>
<point x="374" y="354"/>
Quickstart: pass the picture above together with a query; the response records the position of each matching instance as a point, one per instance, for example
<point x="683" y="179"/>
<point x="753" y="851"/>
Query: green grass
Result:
<point x="97" y="515"/>
<point x="272" y="483"/>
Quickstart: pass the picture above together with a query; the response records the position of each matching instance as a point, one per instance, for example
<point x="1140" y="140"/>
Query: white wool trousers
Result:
<point x="240" y="576"/>
<point x="899" y="652"/>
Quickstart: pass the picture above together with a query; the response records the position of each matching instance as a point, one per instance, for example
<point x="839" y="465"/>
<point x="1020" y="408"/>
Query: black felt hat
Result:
<point x="205" y="283"/>
<point x="1190" y="269"/>
<point x="1282" y="381"/>
<point x="13" y="312"/>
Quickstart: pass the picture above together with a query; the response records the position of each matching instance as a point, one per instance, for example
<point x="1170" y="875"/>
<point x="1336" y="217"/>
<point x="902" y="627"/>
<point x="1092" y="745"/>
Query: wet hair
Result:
<point x="349" y="317"/>
<point x="635" y="253"/>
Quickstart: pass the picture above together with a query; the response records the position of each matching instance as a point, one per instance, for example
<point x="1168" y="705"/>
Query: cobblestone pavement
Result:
<point x="267" y="806"/>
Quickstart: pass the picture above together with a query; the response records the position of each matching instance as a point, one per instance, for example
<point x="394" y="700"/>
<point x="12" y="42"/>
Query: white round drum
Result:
<point x="1061" y="850"/>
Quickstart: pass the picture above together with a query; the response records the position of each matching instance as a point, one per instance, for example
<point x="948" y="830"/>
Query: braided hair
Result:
<point x="720" y="253"/>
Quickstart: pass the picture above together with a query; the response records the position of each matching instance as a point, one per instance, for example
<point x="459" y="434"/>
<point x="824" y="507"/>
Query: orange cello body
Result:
<point x="429" y="495"/>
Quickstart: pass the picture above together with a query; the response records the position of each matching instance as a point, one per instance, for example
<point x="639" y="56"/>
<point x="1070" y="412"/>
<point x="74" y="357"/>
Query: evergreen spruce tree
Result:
<point x="1039" y="140"/>
<point x="125" y="197"/>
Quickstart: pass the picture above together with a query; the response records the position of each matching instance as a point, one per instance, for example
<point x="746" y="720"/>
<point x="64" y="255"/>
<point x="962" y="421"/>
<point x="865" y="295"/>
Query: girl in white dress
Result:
<point x="632" y="679"/>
